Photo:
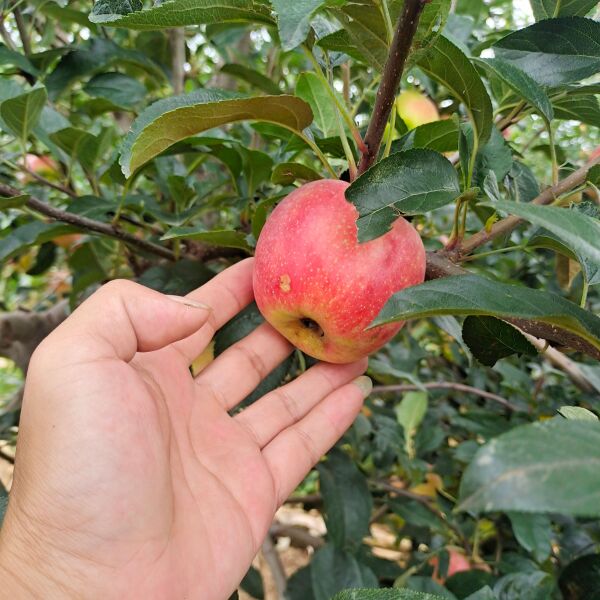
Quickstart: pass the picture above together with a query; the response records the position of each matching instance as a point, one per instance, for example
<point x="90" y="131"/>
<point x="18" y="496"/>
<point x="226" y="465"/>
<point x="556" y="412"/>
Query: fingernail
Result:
<point x="189" y="302"/>
<point x="364" y="384"/>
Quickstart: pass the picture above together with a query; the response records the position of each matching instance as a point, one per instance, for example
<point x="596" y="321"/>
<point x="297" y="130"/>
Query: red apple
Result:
<point x="318" y="286"/>
<point x="416" y="109"/>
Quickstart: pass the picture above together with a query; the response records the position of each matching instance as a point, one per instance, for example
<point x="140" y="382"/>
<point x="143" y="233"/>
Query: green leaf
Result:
<point x="578" y="231"/>
<point x="178" y="13"/>
<point x="409" y="414"/>
<point x="21" y="113"/>
<point x="385" y="594"/>
<point x="491" y="339"/>
<point x="252" y="583"/>
<point x="577" y="413"/>
<point x="346" y="499"/>
<point x="548" y="9"/>
<point x="522" y="84"/>
<point x="555" y="51"/>
<point x="253" y="77"/>
<point x="333" y="570"/>
<point x="448" y="65"/>
<point x="532" y="585"/>
<point x="293" y="20"/>
<point x="10" y="57"/>
<point x="535" y="468"/>
<point x="287" y="173"/>
<point x="533" y="532"/>
<point x="474" y="295"/>
<point x="178" y="278"/>
<point x="95" y="55"/>
<point x="80" y="145"/>
<point x="495" y="156"/>
<point x="173" y="119"/>
<point x="218" y="237"/>
<point x="13" y="201"/>
<point x="582" y="108"/>
<point x="411" y="182"/>
<point x="33" y="233"/>
<point x="441" y="136"/>
<point x="580" y="579"/>
<point x="120" y="90"/>
<point x="314" y="91"/>
<point x="484" y="593"/>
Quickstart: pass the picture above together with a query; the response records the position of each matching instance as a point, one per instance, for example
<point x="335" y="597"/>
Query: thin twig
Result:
<point x="406" y="28"/>
<point x="506" y="225"/>
<point x="7" y="457"/>
<point x="177" y="47"/>
<point x="22" y="27"/>
<point x="299" y="536"/>
<point x="274" y="561"/>
<point x="88" y="224"/>
<point x="447" y="385"/>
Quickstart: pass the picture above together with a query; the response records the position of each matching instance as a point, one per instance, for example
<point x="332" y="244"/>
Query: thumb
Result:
<point x="123" y="318"/>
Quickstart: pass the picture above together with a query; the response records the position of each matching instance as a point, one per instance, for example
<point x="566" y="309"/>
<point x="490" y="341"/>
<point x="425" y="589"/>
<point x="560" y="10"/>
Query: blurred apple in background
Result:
<point x="415" y="109"/>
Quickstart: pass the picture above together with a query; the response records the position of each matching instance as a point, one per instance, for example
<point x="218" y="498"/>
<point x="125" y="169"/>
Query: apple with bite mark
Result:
<point x="318" y="286"/>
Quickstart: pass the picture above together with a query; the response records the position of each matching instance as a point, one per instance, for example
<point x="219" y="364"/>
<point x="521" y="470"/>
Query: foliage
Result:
<point x="152" y="141"/>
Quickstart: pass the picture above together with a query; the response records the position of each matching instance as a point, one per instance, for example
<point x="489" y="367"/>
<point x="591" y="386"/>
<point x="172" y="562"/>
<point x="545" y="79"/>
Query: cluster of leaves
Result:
<point x="137" y="181"/>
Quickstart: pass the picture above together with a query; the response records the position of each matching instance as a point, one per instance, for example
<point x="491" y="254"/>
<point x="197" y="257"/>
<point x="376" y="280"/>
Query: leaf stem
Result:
<point x="390" y="137"/>
<point x="318" y="153"/>
<point x="584" y="293"/>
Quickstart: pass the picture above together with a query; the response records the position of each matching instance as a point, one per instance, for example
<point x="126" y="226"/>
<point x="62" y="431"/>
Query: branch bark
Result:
<point x="506" y="225"/>
<point x="406" y="28"/>
<point x="274" y="561"/>
<point x="448" y="385"/>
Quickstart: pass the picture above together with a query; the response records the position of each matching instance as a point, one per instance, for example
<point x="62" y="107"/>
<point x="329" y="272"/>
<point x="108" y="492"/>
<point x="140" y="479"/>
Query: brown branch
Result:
<point x="406" y="28"/>
<point x="447" y="385"/>
<point x="177" y="47"/>
<point x="299" y="536"/>
<point x="274" y="561"/>
<point x="88" y="224"/>
<point x="21" y="332"/>
<point x="56" y="186"/>
<point x="505" y="226"/>
<point x="22" y="27"/>
<point x="6" y="456"/>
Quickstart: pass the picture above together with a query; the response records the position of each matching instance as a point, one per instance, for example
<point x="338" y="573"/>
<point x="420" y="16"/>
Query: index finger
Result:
<point x="227" y="294"/>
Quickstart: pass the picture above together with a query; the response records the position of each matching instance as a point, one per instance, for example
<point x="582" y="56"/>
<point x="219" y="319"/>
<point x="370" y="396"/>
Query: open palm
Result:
<point x="132" y="478"/>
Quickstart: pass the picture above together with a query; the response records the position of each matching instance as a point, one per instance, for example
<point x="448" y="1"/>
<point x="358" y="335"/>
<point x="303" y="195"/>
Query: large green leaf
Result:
<point x="490" y="339"/>
<point x="411" y="182"/>
<point x="33" y="233"/>
<point x="578" y="231"/>
<point x="80" y="145"/>
<point x="293" y="20"/>
<point x="548" y="9"/>
<point x="583" y="108"/>
<point x="447" y="64"/>
<point x="177" y="13"/>
<point x="555" y="51"/>
<point x="287" y="173"/>
<point x="10" y="57"/>
<point x="535" y="468"/>
<point x="21" y="113"/>
<point x="441" y="136"/>
<point x="346" y="498"/>
<point x="533" y="532"/>
<point x="173" y="119"/>
<point x="474" y="295"/>
<point x="314" y="91"/>
<point x="522" y="84"/>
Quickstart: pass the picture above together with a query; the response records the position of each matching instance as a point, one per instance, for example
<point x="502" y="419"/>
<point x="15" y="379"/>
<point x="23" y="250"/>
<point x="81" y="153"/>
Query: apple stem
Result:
<point x="406" y="27"/>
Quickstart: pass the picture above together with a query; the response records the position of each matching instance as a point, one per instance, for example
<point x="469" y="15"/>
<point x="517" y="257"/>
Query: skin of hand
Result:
<point x="132" y="479"/>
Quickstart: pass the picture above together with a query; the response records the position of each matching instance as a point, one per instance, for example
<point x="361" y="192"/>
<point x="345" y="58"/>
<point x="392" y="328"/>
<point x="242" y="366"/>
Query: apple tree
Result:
<point x="152" y="141"/>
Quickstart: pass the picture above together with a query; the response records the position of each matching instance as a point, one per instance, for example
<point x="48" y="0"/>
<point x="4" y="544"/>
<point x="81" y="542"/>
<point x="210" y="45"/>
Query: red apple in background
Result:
<point x="318" y="286"/>
<point x="416" y="109"/>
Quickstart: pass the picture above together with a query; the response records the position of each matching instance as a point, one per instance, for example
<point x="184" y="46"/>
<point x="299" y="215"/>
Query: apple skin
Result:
<point x="416" y="109"/>
<point x="318" y="286"/>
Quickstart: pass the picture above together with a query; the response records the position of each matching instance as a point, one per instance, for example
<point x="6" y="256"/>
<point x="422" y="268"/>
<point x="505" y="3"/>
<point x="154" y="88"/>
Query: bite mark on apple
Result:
<point x="285" y="283"/>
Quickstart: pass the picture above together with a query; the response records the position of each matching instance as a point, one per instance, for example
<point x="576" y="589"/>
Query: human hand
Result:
<point x="132" y="480"/>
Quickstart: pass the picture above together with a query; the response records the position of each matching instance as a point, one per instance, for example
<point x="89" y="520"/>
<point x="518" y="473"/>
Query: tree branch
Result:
<point x="21" y="332"/>
<point x="88" y="224"/>
<point x="274" y="561"/>
<point x="22" y="27"/>
<point x="406" y="28"/>
<point x="447" y="385"/>
<point x="299" y="536"/>
<point x="506" y="225"/>
<point x="177" y="44"/>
